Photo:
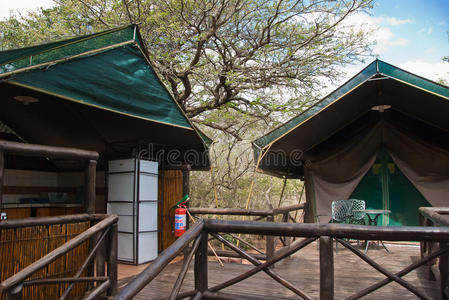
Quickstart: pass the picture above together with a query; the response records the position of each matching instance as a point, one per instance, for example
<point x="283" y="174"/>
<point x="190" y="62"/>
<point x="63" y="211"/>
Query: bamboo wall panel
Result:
<point x="171" y="185"/>
<point x="19" y="247"/>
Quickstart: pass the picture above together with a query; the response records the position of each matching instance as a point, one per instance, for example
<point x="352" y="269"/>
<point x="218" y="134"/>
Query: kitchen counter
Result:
<point x="25" y="205"/>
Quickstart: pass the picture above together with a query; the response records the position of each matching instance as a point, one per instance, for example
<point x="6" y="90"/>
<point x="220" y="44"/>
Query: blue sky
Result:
<point x="411" y="34"/>
<point x="423" y="24"/>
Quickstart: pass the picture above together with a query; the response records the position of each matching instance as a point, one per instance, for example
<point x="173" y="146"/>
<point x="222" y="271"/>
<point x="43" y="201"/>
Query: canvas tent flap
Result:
<point x="340" y="171"/>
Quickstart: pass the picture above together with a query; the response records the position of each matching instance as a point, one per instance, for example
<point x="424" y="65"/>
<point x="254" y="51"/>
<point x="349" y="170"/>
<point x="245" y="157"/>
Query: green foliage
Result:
<point x="237" y="67"/>
<point x="216" y="52"/>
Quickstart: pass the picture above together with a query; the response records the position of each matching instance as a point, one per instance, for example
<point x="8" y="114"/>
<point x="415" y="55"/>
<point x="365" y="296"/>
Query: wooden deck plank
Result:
<point x="351" y="275"/>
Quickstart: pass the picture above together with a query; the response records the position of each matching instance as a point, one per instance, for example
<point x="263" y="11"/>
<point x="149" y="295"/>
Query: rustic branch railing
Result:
<point x="437" y="269"/>
<point x="103" y="226"/>
<point x="269" y="214"/>
<point x="88" y="157"/>
<point x="325" y="233"/>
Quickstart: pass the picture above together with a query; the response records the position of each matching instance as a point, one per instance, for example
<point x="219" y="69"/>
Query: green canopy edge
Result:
<point x="32" y="58"/>
<point x="374" y="68"/>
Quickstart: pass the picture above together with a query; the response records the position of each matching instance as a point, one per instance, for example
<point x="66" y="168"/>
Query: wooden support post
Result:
<point x="2" y="172"/>
<point x="112" y="259"/>
<point x="186" y="191"/>
<point x="186" y="187"/>
<point x="326" y="268"/>
<point x="270" y="241"/>
<point x="15" y="293"/>
<point x="90" y="178"/>
<point x="100" y="258"/>
<point x="444" y="272"/>
<point x="200" y="266"/>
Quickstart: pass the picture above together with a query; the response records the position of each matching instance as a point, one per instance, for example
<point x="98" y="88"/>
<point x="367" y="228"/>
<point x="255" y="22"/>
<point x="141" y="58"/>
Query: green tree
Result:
<point x="237" y="67"/>
<point x="252" y="57"/>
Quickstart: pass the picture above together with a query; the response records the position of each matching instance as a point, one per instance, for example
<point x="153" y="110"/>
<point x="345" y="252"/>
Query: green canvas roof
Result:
<point x="377" y="84"/>
<point x="98" y="70"/>
<point x="110" y="73"/>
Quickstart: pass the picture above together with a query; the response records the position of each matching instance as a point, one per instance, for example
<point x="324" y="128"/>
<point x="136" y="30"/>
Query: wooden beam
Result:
<point x="438" y="215"/>
<point x="245" y="212"/>
<point x="39" y="221"/>
<point x="150" y="272"/>
<point x="230" y="296"/>
<point x="90" y="179"/>
<point x="326" y="268"/>
<point x="2" y="174"/>
<point x="257" y="263"/>
<point x="227" y="253"/>
<point x="443" y="266"/>
<point x="270" y="240"/>
<point x="229" y="211"/>
<point x="185" y="268"/>
<point x="382" y="270"/>
<point x="46" y="151"/>
<point x="200" y="266"/>
<point x="361" y="232"/>
<point x="23" y="274"/>
<point x="264" y="267"/>
<point x="401" y="273"/>
<point x="112" y="259"/>
<point x="63" y="280"/>
<point x="85" y="263"/>
<point x="95" y="293"/>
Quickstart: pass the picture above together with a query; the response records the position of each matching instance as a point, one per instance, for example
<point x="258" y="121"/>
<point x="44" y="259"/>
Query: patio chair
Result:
<point x="356" y="217"/>
<point x="341" y="211"/>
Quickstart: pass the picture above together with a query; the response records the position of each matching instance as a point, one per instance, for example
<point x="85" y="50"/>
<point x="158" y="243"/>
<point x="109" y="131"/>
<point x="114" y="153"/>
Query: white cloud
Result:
<point x="381" y="35"/>
<point x="430" y="50"/>
<point x="399" y="42"/>
<point x="395" y="22"/>
<point x="431" y="70"/>
<point x="429" y="30"/>
<point x="22" y="6"/>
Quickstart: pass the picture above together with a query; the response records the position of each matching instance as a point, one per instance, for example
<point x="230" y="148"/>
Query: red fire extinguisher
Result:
<point x="180" y="221"/>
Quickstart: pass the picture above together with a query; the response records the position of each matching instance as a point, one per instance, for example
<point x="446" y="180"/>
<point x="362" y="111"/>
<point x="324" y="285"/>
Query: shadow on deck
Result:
<point x="351" y="275"/>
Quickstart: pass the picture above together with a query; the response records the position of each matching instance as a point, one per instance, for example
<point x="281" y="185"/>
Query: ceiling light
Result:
<point x="26" y="99"/>
<point x="381" y="108"/>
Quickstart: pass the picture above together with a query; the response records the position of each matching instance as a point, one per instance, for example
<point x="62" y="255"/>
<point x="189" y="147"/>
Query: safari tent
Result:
<point x="97" y="92"/>
<point x="382" y="137"/>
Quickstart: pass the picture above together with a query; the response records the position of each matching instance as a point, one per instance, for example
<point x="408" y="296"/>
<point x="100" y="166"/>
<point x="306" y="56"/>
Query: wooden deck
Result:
<point x="351" y="275"/>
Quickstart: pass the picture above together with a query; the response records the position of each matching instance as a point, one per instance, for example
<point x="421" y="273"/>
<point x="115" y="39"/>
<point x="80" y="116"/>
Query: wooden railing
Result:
<point x="260" y="214"/>
<point x="438" y="269"/>
<point x="95" y="245"/>
<point x="324" y="233"/>
<point x="87" y="158"/>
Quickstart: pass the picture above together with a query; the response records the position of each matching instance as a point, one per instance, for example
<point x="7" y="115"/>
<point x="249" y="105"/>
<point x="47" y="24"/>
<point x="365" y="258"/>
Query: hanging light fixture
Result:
<point x="26" y="99"/>
<point x="381" y="108"/>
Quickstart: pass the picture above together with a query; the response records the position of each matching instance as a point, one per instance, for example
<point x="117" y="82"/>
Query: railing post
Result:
<point x="270" y="241"/>
<point x="112" y="259"/>
<point x="100" y="257"/>
<point x="200" y="267"/>
<point x="90" y="177"/>
<point x="444" y="272"/>
<point x="326" y="268"/>
<point x="15" y="293"/>
<point x="2" y="171"/>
